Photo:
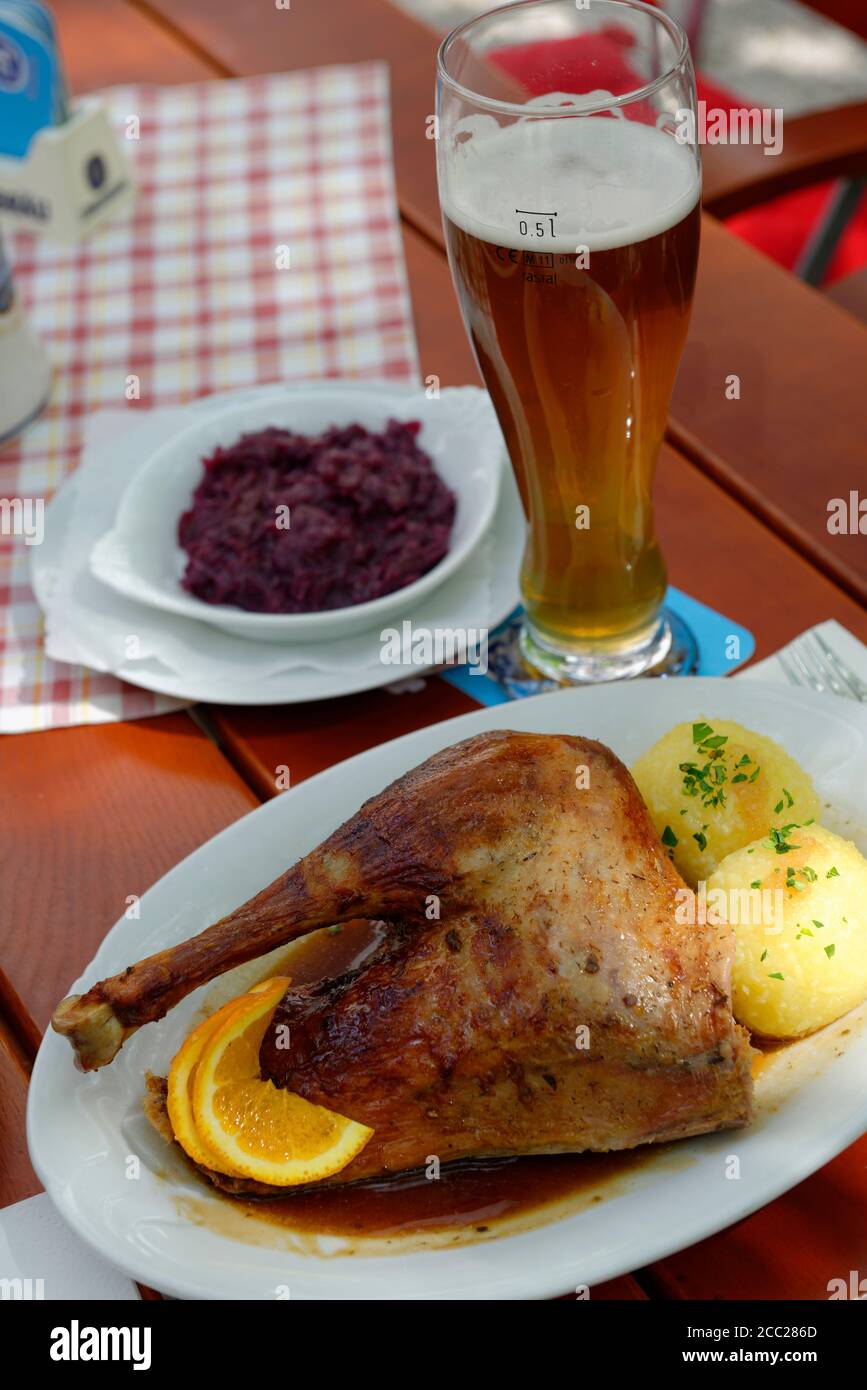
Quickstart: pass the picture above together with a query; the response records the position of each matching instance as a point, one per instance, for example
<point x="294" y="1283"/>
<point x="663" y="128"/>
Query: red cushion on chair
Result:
<point x="781" y="229"/>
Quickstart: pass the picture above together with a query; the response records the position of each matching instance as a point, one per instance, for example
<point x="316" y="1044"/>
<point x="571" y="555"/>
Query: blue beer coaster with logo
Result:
<point x="723" y="646"/>
<point x="32" y="85"/>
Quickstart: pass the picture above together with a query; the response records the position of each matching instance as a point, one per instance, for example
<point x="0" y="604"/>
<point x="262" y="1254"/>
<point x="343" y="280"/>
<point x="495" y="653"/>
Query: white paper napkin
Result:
<point x="844" y="643"/>
<point x="38" y="1248"/>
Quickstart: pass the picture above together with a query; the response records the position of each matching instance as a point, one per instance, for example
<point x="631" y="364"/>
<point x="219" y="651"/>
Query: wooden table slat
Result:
<point x="830" y="144"/>
<point x="90" y="816"/>
<point x="797" y="435"/>
<point x="305" y="739"/>
<point x="443" y="347"/>
<point x="17" y="1178"/>
<point x="626" y="1289"/>
<point x="106" y="42"/>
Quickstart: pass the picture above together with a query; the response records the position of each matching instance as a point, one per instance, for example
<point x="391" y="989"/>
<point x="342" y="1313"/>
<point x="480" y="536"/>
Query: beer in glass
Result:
<point x="572" y="224"/>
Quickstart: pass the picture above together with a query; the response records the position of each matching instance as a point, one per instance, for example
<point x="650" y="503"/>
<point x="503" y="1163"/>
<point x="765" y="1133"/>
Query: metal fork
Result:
<point x="810" y="661"/>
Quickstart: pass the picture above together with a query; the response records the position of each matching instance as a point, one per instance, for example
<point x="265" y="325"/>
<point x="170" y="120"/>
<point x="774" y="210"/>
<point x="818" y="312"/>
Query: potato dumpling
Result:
<point x="801" y="956"/>
<point x="714" y="786"/>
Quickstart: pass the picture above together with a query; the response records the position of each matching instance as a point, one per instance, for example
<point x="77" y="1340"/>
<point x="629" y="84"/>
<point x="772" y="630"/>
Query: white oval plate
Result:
<point x="82" y="1130"/>
<point x="140" y="556"/>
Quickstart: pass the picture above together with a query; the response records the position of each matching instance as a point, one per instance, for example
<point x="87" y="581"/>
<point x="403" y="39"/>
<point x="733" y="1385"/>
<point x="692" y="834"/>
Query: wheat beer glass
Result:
<point x="570" y="182"/>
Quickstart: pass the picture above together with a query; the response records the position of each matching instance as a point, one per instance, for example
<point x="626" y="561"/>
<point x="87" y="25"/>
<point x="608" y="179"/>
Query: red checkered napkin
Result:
<point x="191" y="293"/>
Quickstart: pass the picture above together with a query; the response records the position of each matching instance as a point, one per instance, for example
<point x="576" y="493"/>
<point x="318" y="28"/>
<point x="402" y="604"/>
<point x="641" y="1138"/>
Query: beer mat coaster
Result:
<point x="264" y="245"/>
<point x="42" y="1258"/>
<point x="723" y="646"/>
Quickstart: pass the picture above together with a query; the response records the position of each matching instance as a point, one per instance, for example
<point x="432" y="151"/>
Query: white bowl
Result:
<point x="140" y="556"/>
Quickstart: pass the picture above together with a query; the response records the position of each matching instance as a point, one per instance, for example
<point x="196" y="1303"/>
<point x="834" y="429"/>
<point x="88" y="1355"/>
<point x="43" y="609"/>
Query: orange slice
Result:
<point x="260" y="1131"/>
<point x="182" y="1074"/>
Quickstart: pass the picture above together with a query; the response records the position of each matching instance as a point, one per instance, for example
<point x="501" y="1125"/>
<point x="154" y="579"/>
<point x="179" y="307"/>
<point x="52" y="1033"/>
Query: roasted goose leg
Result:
<point x="537" y="993"/>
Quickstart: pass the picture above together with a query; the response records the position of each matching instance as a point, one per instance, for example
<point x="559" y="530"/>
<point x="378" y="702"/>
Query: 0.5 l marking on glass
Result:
<point x="536" y="223"/>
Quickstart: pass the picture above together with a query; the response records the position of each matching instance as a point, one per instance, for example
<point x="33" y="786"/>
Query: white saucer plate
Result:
<point x="484" y="588"/>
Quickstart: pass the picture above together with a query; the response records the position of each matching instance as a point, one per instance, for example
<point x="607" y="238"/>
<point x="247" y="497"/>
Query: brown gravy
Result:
<point x="764" y="1052"/>
<point x="330" y="952"/>
<point x="469" y="1195"/>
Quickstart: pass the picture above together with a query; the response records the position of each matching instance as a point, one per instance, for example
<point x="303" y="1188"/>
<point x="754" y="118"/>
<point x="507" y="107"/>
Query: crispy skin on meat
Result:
<point x="465" y="1035"/>
<point x="467" y="1039"/>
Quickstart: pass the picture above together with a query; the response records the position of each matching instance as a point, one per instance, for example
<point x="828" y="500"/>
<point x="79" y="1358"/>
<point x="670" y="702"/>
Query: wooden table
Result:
<point x="93" y="814"/>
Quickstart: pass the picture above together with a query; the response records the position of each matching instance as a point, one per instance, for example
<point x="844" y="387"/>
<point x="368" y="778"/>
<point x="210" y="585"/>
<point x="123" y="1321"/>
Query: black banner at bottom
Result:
<point x="156" y="1336"/>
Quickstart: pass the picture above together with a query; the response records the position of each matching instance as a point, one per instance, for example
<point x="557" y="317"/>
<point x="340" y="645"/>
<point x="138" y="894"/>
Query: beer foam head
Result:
<point x="559" y="183"/>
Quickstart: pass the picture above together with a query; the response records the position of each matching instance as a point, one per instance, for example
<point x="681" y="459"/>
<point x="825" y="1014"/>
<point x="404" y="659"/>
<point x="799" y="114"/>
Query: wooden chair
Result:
<point x="822" y="145"/>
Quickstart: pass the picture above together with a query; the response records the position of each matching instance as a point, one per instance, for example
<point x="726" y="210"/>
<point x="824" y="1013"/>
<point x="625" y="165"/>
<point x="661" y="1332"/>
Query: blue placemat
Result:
<point x="723" y="646"/>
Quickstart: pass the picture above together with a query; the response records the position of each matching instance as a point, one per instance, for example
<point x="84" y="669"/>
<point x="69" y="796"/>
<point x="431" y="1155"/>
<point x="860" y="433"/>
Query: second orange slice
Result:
<point x="179" y="1098"/>
<point x="258" y="1130"/>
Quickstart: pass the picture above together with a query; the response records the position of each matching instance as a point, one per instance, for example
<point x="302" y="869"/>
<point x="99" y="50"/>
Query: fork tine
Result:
<point x="853" y="686"/>
<point x="815" y="657"/>
<point x="791" y="675"/>
<point x="810" y="677"/>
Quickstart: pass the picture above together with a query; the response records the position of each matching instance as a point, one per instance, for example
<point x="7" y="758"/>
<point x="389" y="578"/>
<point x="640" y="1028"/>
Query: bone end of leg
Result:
<point x="92" y="1027"/>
